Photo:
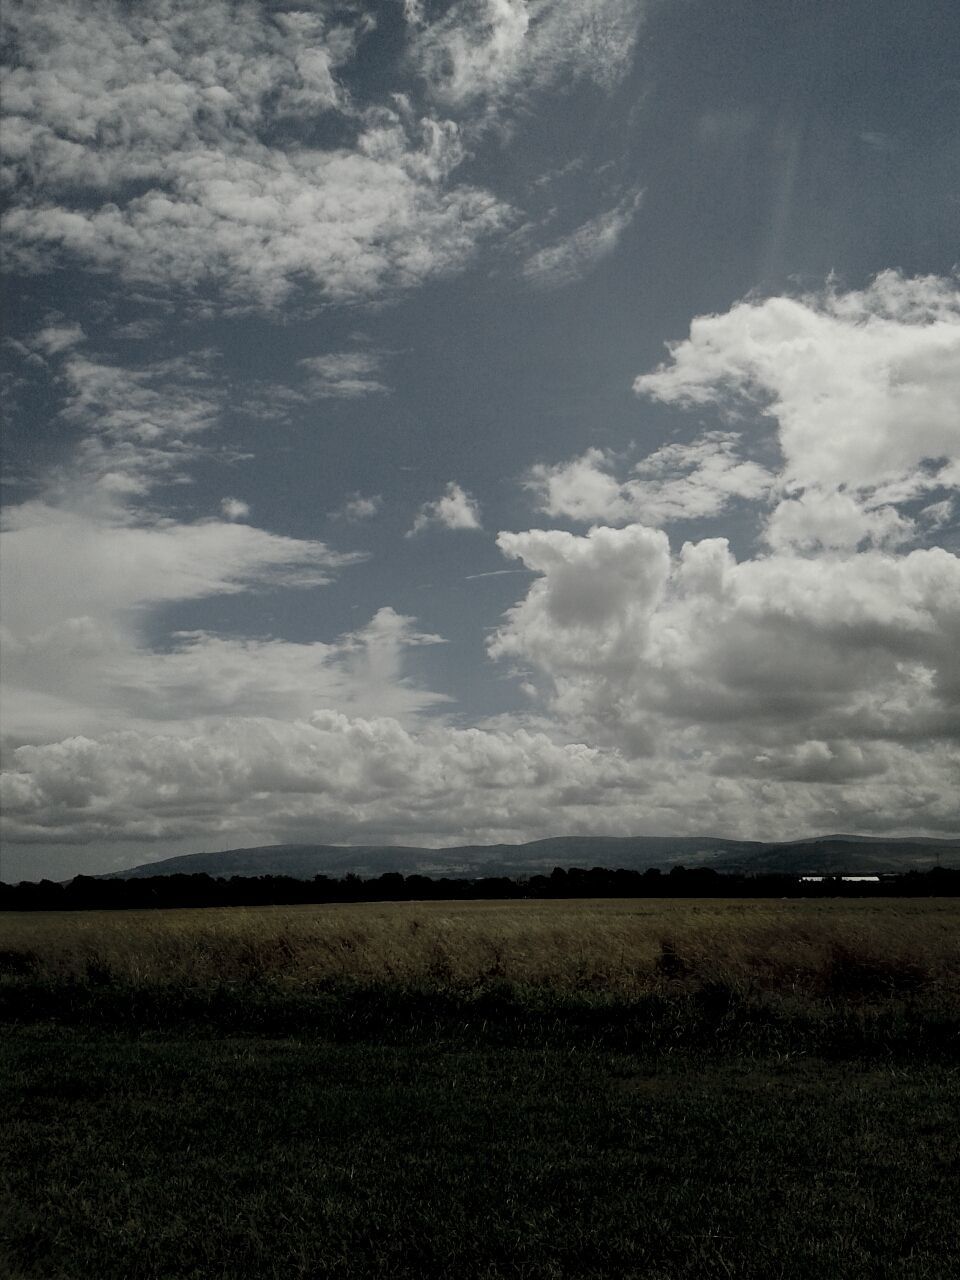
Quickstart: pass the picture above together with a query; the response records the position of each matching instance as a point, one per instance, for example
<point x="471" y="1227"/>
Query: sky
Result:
<point x="434" y="423"/>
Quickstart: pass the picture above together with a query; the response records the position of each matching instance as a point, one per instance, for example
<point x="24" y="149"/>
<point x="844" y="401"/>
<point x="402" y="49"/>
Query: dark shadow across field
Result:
<point x="171" y="1156"/>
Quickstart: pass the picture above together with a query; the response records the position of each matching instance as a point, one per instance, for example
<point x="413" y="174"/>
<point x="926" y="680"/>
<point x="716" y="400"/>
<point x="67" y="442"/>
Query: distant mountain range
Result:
<point x="823" y="855"/>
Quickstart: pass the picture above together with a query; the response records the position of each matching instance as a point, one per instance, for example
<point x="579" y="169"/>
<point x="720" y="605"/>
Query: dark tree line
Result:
<point x="89" y="892"/>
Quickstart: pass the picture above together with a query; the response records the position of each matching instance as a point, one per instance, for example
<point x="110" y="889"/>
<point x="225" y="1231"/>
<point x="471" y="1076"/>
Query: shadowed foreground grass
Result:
<point x="540" y="1091"/>
<point x="138" y="1157"/>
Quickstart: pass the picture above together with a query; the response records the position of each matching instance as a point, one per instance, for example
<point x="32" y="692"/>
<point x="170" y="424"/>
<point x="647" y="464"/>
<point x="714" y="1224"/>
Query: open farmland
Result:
<point x="658" y="1090"/>
<point x="618" y="946"/>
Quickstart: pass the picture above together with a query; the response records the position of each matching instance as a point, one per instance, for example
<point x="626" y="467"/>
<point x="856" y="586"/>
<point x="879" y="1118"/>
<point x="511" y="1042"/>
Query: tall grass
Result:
<point x="626" y="949"/>
<point x="675" y="1089"/>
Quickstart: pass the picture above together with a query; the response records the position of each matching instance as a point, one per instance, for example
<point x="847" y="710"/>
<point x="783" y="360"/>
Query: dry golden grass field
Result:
<point x="626" y="947"/>
<point x="523" y="1090"/>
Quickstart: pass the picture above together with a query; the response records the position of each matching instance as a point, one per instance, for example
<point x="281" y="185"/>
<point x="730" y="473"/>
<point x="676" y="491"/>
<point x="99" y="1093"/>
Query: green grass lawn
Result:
<point x="179" y="1155"/>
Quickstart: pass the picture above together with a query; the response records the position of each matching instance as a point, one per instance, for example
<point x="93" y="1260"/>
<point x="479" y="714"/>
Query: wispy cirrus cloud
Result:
<point x="137" y="425"/>
<point x="499" y="49"/>
<point x="566" y="260"/>
<point x="65" y="562"/>
<point x="345" y="375"/>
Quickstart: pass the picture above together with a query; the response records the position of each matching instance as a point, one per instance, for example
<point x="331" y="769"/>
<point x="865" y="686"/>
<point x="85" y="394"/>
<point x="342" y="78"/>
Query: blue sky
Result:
<point x="477" y="421"/>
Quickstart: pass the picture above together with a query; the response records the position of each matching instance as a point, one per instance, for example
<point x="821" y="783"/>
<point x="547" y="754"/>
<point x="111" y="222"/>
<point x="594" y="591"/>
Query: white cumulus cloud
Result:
<point x="863" y="388"/>
<point x="455" y="509"/>
<point x="784" y="666"/>
<point x="349" y="775"/>
<point x="675" y="482"/>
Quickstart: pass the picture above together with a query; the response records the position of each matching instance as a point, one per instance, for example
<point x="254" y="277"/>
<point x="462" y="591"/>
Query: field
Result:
<point x="624" y="946"/>
<point x="528" y="1089"/>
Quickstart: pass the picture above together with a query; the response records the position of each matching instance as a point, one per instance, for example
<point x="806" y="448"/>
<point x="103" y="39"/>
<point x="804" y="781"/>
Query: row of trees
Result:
<point x="89" y="892"/>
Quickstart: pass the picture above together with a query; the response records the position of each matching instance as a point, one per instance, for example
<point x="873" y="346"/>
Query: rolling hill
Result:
<point x="822" y="855"/>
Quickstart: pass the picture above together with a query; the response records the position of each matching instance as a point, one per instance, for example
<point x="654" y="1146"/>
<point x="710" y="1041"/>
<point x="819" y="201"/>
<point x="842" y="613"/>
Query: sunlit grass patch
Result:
<point x="839" y="977"/>
<point x="622" y="946"/>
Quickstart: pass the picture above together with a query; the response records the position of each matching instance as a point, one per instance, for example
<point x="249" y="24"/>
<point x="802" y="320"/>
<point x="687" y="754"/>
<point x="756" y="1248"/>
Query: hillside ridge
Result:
<point x="816" y="855"/>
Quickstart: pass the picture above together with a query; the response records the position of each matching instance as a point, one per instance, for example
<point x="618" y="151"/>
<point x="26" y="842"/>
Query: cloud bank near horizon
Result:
<point x="813" y="685"/>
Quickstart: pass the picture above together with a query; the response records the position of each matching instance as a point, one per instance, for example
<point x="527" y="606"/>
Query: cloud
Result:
<point x="177" y="148"/>
<point x="62" y="563"/>
<point x="55" y="338"/>
<point x="456" y="509"/>
<point x="110" y="722"/>
<point x="114" y="734"/>
<point x="864" y="390"/>
<point x="675" y="482"/>
<point x="150" y="142"/>
<point x="138" y="425"/>
<point x="81" y="652"/>
<point x="493" y="573"/>
<point x="611" y="576"/>
<point x="573" y="256"/>
<point x="354" y="223"/>
<point x="878" y="141"/>
<point x="697" y="659"/>
<point x="345" y="375"/>
<point x="497" y="50"/>
<point x="157" y="401"/>
<point x="89" y="560"/>
<point x="261" y="780"/>
<point x="839" y="376"/>
<point x="50" y="341"/>
<point x="95" y="675"/>
<point x="359" y="507"/>
<point x="234" y="508"/>
<point x="471" y="52"/>
<point x="835" y="519"/>
<point x="937" y="515"/>
<point x="681" y="691"/>
<point x="138" y="330"/>
<point x="349" y="776"/>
